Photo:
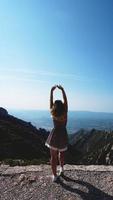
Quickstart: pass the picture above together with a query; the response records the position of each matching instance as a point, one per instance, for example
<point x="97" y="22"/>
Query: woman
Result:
<point x="57" y="140"/>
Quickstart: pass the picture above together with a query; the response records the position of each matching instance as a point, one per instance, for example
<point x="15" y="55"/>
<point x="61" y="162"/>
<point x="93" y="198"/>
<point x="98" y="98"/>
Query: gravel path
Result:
<point x="78" y="183"/>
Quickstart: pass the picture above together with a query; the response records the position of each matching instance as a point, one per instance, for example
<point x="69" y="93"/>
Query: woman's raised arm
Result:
<point x="51" y="96"/>
<point x="64" y="96"/>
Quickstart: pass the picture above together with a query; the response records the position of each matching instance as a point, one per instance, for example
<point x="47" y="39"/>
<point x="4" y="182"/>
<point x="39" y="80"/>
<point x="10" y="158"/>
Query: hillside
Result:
<point x="21" y="143"/>
<point x="20" y="139"/>
<point x="92" y="147"/>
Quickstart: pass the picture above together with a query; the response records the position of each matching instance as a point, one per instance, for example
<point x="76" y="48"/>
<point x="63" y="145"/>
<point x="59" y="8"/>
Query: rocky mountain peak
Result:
<point x="3" y="112"/>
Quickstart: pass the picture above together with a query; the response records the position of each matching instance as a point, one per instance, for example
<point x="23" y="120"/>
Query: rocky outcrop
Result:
<point x="3" y="112"/>
<point x="91" y="147"/>
<point x="21" y="140"/>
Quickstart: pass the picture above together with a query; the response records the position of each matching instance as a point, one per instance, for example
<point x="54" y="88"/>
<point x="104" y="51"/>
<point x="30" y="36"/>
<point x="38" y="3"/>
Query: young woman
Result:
<point x="57" y="140"/>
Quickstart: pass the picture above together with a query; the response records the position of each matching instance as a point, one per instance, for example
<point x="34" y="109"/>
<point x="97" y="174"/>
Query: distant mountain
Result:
<point x="76" y="119"/>
<point x="91" y="114"/>
<point x="91" y="147"/>
<point x="20" y="140"/>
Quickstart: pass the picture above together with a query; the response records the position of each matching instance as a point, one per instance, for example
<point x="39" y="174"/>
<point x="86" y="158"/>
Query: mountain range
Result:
<point x="22" y="143"/>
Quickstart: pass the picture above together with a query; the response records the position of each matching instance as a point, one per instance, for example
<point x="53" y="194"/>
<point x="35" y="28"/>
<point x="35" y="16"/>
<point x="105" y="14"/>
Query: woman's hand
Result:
<point x="60" y="87"/>
<point x="54" y="87"/>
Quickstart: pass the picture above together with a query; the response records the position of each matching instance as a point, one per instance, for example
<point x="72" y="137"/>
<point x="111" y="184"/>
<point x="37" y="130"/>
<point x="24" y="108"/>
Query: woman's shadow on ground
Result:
<point x="93" y="192"/>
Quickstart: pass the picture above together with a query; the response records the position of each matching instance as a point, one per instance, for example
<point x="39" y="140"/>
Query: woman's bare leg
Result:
<point x="61" y="158"/>
<point x="54" y="159"/>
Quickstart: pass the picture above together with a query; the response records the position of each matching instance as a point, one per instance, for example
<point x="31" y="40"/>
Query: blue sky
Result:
<point x="47" y="42"/>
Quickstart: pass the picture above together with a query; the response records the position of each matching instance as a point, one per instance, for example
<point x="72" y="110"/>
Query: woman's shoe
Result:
<point x="61" y="171"/>
<point x="54" y="178"/>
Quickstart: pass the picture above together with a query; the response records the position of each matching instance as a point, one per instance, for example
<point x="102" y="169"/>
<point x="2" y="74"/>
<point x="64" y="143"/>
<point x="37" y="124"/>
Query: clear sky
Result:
<point x="47" y="42"/>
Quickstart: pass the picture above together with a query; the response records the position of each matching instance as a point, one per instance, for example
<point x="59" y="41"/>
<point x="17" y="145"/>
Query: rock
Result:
<point x="31" y="179"/>
<point x="3" y="112"/>
<point x="21" y="177"/>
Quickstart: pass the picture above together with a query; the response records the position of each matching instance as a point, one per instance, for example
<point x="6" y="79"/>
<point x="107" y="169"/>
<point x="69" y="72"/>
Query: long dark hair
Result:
<point x="58" y="108"/>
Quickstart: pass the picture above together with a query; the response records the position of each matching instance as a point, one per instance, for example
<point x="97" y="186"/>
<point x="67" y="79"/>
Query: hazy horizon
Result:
<point x="76" y="119"/>
<point x="48" y="110"/>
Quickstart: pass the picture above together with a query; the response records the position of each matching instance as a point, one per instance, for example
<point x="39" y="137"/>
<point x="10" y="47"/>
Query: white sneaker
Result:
<point x="61" y="170"/>
<point x="54" y="178"/>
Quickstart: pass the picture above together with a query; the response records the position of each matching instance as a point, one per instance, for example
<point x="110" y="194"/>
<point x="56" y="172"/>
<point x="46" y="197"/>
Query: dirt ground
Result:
<point x="77" y="183"/>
